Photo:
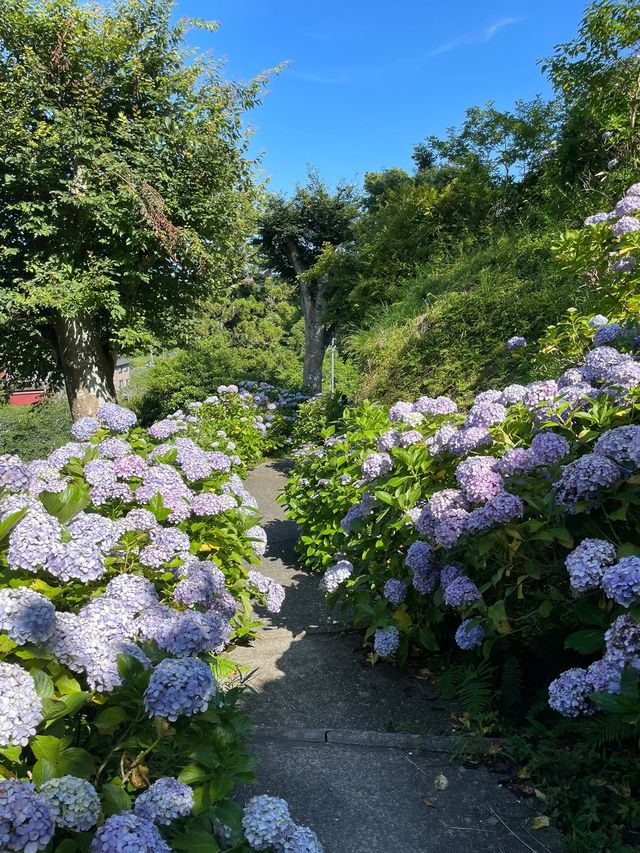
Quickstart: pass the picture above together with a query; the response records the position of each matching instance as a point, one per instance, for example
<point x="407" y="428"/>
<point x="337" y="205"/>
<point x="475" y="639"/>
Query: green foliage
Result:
<point x="32" y="432"/>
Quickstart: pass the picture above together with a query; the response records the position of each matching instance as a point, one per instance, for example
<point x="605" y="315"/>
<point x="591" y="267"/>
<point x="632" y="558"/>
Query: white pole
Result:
<point x="333" y="365"/>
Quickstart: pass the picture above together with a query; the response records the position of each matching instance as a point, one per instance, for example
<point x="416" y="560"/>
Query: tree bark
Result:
<point x="87" y="363"/>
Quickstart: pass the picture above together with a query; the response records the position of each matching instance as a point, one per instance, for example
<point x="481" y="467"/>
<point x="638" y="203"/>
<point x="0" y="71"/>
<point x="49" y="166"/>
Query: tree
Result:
<point x="303" y="239"/>
<point x="125" y="194"/>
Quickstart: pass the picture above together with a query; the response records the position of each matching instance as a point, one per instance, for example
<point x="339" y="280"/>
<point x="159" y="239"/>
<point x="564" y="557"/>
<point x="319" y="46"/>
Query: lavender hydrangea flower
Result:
<point x="258" y="539"/>
<point x="84" y="428"/>
<point x="207" y="504"/>
<point x="621" y="581"/>
<point x="597" y="321"/>
<point x="625" y="375"/>
<point x="513" y="394"/>
<point x="426" y="578"/>
<point x="605" y="675"/>
<point x="274" y="591"/>
<point x="435" y="406"/>
<point x="386" y="641"/>
<point x="469" y="634"/>
<point x="549" y="447"/>
<point x="399" y="411"/>
<point x="193" y="633"/>
<point x="419" y="556"/>
<point x="100" y="529"/>
<point x="131" y="465"/>
<point x="607" y="334"/>
<point x="628" y="204"/>
<point x="26" y="821"/>
<point x="114" y="448"/>
<point x="466" y="440"/>
<point x="13" y="473"/>
<point x="79" y="559"/>
<point x="596" y="219"/>
<point x="117" y="418"/>
<point x="161" y="430"/>
<point x="477" y="520"/>
<point x="486" y="415"/>
<point x="128" y="832"/>
<point x="450" y="527"/>
<point x="376" y="465"/>
<point x="584" y="479"/>
<point x="360" y="510"/>
<point x="166" y="544"/>
<point x="225" y="604"/>
<point x="540" y="392"/>
<point x="586" y="563"/>
<point x="516" y="342"/>
<point x="395" y="591"/>
<point x="181" y="687"/>
<point x="202" y="582"/>
<point x="599" y="362"/>
<point x="164" y="801"/>
<point x="139" y="520"/>
<point x="616" y="443"/>
<point x="335" y="575"/>
<point x="133" y="593"/>
<point x="491" y="395"/>
<point x="20" y="706"/>
<point x="265" y="820"/>
<point x="627" y="263"/>
<point x="74" y="802"/>
<point x="26" y="616"/>
<point x="32" y="540"/>
<point x="515" y="461"/>
<point x="388" y="440"/>
<point x="625" y="225"/>
<point x="439" y="441"/>
<point x="410" y="437"/>
<point x="623" y="641"/>
<point x="503" y="508"/>
<point x="478" y="479"/>
<point x="568" y="694"/>
<point x="461" y="592"/>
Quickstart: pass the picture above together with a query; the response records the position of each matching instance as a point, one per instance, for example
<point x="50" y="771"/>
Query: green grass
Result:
<point x="448" y="335"/>
<point x="32" y="432"/>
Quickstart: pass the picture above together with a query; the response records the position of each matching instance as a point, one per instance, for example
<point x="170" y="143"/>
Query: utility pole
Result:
<point x="333" y="365"/>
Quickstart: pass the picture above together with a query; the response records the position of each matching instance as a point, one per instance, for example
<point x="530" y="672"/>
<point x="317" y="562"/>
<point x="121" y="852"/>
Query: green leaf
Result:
<point x="47" y="747"/>
<point x="44" y="770"/>
<point x="77" y="762"/>
<point x="195" y="841"/>
<point x="111" y="718"/>
<point x="193" y="773"/>
<point x="586" y="641"/>
<point x="43" y="683"/>
<point x="115" y="799"/>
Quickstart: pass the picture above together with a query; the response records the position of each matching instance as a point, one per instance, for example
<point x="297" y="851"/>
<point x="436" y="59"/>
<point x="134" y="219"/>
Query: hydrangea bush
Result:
<point x="511" y="528"/>
<point x="125" y="571"/>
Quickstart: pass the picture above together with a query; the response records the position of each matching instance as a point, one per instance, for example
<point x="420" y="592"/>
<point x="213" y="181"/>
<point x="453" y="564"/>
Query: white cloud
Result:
<point x="479" y="37"/>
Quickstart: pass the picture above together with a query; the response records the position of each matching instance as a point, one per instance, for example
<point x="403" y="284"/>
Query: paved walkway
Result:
<point x="354" y="749"/>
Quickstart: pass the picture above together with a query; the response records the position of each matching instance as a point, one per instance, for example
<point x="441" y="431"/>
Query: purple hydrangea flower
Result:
<point x="357" y="511"/>
<point x="451" y="526"/>
<point x="207" y="503"/>
<point x="628" y="204"/>
<point x="503" y="508"/>
<point x="265" y="820"/>
<point x="131" y="465"/>
<point x="20" y="709"/>
<point x="388" y="440"/>
<point x="419" y="556"/>
<point x="617" y="443"/>
<point x="79" y="559"/>
<point x="478" y="479"/>
<point x="274" y="591"/>
<point x="466" y="440"/>
<point x="412" y="436"/>
<point x="164" y="429"/>
<point x="513" y="394"/>
<point x="548" y="446"/>
<point x="225" y="604"/>
<point x="486" y="415"/>
<point x="584" y="479"/>
<point x="435" y="406"/>
<point x="625" y="375"/>
<point x="132" y="593"/>
<point x="450" y="573"/>
<point x="13" y="473"/>
<point x="586" y="563"/>
<point x="181" y="687"/>
<point x="469" y="634"/>
<point x="376" y="465"/>
<point x="74" y="802"/>
<point x="604" y="676"/>
<point x="335" y="575"/>
<point x="516" y="460"/>
<point x="568" y="694"/>
<point x="128" y="832"/>
<point x="201" y="583"/>
<point x="597" y="321"/>
<point x="32" y="540"/>
<point x="165" y="801"/>
<point x="625" y="225"/>
<point x="478" y="520"/>
<point x="395" y="591"/>
<point x="516" y="342"/>
<point x="600" y="361"/>
<point x="386" y="641"/>
<point x="114" y="448"/>
<point x="439" y="441"/>
<point x="596" y="219"/>
<point x="621" y="581"/>
<point x="627" y="263"/>
<point x="26" y="821"/>
<point x="166" y="544"/>
<point x="116" y="418"/>
<point x="544" y="391"/>
<point x="491" y="395"/>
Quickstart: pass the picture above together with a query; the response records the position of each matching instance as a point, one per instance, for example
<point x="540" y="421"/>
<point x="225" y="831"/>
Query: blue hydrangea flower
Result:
<point x="469" y="634"/>
<point x="419" y="556"/>
<point x="128" y="832"/>
<point x="165" y="801"/>
<point x="164" y="429"/>
<point x="516" y="342"/>
<point x="180" y="687"/>
<point x="84" y="428"/>
<point x="465" y="440"/>
<point x="207" y="503"/>
<point x="486" y="415"/>
<point x="607" y="334"/>
<point x="32" y="540"/>
<point x="586" y="563"/>
<point x="386" y="641"/>
<point x="79" y="559"/>
<point x="265" y="820"/>
<point x="597" y="321"/>
<point x="74" y="802"/>
<point x="625" y="225"/>
<point x="202" y="581"/>
<point x="450" y="527"/>
<point x="13" y="473"/>
<point x="605" y="675"/>
<point x="26" y="616"/>
<point x="502" y="508"/>
<point x="389" y="440"/>
<point x="621" y="581"/>
<point x="596" y="219"/>
<point x="20" y="707"/>
<point x="395" y="591"/>
<point x="599" y="362"/>
<point x="584" y="479"/>
<point x="515" y="461"/>
<point x="569" y="693"/>
<point x="298" y="839"/>
<point x="544" y="391"/>
<point x="267" y="586"/>
<point x="617" y="442"/>
<point x="335" y="575"/>
<point x="623" y="641"/>
<point x="513" y="394"/>
<point x="26" y="821"/>
<point x="460" y="592"/>
<point x="114" y="448"/>
<point x="478" y="479"/>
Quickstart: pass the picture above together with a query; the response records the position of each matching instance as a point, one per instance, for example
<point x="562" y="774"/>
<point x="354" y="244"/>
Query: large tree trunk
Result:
<point x="87" y="364"/>
<point x="316" y="335"/>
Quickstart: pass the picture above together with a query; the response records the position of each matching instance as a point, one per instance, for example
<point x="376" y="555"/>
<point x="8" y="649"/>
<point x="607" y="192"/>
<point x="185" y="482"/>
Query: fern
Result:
<point x="473" y="686"/>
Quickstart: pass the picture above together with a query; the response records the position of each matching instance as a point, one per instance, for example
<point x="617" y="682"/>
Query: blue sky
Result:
<point x="368" y="80"/>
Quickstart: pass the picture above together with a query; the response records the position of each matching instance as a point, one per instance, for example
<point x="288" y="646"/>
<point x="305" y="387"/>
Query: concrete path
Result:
<point x="355" y="749"/>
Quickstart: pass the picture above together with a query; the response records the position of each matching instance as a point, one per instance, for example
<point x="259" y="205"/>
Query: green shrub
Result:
<point x="34" y="431"/>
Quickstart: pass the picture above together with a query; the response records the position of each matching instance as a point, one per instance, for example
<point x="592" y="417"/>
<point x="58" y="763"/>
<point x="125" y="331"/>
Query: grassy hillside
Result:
<point x="448" y="335"/>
